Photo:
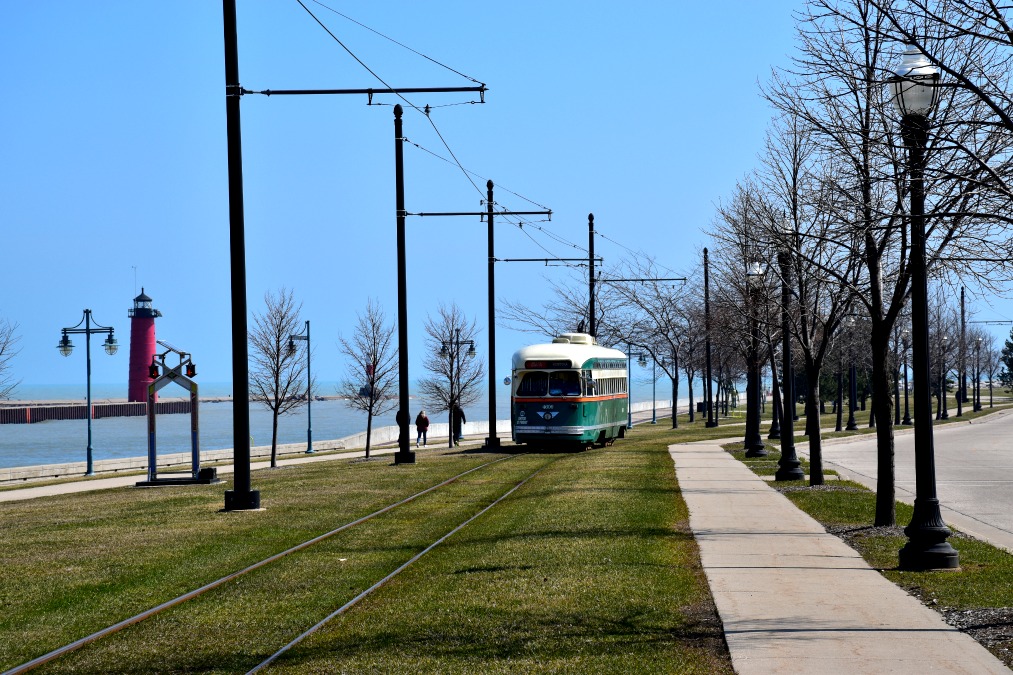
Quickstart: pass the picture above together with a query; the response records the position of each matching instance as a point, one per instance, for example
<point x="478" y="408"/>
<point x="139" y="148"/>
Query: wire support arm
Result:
<point x="483" y="213"/>
<point x="548" y="260"/>
<point x="622" y="281"/>
<point x="481" y="89"/>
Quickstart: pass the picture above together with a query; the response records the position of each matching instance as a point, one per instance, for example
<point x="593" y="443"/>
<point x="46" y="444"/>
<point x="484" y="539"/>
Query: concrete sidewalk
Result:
<point x="794" y="599"/>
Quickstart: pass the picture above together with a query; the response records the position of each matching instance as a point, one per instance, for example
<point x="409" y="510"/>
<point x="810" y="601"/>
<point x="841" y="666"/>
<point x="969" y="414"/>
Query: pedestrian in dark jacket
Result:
<point x="459" y="420"/>
<point x="422" y="427"/>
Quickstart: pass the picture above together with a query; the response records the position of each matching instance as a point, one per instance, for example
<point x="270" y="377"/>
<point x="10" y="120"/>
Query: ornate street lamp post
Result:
<point x="66" y="347"/>
<point x="915" y="92"/>
<point x="753" y="442"/>
<point x="309" y="383"/>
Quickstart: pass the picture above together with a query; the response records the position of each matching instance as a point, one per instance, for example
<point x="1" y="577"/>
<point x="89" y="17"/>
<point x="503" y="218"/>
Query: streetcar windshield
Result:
<point x="564" y="383"/>
<point x="533" y="384"/>
<point x="558" y="383"/>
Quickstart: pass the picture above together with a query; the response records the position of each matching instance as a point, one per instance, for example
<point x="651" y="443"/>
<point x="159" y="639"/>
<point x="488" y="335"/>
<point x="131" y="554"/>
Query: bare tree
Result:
<point x="450" y="357"/>
<point x="661" y="319"/>
<point x="370" y="382"/>
<point x="8" y="350"/>
<point x="277" y="374"/>
<point x="847" y="49"/>
<point x="567" y="309"/>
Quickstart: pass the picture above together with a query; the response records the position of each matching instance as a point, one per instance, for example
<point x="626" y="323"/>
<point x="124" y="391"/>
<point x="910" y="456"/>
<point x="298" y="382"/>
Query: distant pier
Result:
<point x="30" y="413"/>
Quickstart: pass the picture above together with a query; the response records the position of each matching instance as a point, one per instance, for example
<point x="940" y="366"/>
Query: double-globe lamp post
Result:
<point x="642" y="361"/>
<point x="915" y="92"/>
<point x="66" y="347"/>
<point x="452" y="350"/>
<point x="309" y="382"/>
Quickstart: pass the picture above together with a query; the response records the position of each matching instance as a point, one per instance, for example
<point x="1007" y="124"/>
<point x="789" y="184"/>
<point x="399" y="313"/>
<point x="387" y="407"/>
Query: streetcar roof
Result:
<point x="578" y="348"/>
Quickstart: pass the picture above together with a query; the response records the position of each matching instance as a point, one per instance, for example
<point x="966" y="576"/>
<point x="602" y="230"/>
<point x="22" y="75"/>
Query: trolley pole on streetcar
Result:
<point x="590" y="278"/>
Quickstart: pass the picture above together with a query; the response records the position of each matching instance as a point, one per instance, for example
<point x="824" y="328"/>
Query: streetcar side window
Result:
<point x="533" y="384"/>
<point x="564" y="383"/>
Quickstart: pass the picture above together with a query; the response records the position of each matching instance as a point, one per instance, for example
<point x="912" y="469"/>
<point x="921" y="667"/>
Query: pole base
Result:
<point x="851" y="427"/>
<point x="927" y="548"/>
<point x="491" y="443"/>
<point x="789" y="473"/>
<point x="774" y="436"/>
<point x="921" y="556"/>
<point x="756" y="450"/>
<point x="710" y="425"/>
<point x="242" y="501"/>
<point x="406" y="457"/>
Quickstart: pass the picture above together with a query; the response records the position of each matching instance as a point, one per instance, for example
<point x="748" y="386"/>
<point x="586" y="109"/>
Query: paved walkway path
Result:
<point x="794" y="599"/>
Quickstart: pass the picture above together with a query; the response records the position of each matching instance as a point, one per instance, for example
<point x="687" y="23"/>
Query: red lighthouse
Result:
<point x="142" y="346"/>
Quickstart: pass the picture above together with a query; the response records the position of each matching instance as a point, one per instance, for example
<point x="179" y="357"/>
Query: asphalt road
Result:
<point x="974" y="472"/>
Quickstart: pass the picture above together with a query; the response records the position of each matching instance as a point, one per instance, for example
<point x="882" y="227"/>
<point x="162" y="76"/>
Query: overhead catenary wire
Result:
<point x="386" y="37"/>
<point x="425" y="110"/>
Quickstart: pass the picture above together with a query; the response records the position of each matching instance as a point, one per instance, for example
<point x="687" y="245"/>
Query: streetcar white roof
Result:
<point x="575" y="347"/>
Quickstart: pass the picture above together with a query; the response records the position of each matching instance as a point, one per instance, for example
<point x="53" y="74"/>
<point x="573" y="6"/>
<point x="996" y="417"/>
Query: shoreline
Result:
<point x="381" y="436"/>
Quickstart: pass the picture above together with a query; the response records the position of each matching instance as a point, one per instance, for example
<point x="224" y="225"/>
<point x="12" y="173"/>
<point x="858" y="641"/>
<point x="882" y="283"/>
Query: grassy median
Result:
<point x="590" y="567"/>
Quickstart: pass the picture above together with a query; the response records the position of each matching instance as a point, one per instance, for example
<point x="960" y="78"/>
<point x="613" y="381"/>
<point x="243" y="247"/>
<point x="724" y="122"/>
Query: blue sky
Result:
<point x="114" y="157"/>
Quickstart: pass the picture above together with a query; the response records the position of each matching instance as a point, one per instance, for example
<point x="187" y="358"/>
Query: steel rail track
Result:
<point x="137" y="618"/>
<point x="390" y="576"/>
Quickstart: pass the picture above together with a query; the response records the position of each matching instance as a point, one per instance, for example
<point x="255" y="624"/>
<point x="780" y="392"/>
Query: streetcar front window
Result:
<point x="533" y="384"/>
<point x="564" y="383"/>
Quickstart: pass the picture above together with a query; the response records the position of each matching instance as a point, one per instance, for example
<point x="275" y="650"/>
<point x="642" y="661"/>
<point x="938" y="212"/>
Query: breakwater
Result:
<point x="30" y="414"/>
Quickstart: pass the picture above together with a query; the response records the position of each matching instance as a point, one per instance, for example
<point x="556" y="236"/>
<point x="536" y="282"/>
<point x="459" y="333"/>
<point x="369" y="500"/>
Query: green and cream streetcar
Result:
<point x="571" y="392"/>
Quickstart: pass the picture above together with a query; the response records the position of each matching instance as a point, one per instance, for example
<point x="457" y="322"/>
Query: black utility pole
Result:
<point x="404" y="454"/>
<point x="241" y="497"/>
<point x="712" y="418"/>
<point x="962" y="370"/>
<point x="590" y="276"/>
<point x="492" y="441"/>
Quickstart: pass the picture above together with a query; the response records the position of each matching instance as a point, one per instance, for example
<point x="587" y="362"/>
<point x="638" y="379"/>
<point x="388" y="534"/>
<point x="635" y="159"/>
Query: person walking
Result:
<point x="459" y="420"/>
<point x="422" y="427"/>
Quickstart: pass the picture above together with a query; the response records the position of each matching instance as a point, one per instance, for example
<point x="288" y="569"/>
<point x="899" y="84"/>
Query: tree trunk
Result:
<point x="274" y="439"/>
<point x="840" y="400"/>
<point x="369" y="430"/>
<point x="812" y="412"/>
<point x="675" y="398"/>
<point x="692" y="412"/>
<point x="886" y="511"/>
<point x="776" y="404"/>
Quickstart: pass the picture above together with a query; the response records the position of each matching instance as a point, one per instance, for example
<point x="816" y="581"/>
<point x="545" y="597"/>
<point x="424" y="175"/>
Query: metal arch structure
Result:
<point x="180" y="374"/>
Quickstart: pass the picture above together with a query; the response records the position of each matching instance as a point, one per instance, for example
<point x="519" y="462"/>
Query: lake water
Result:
<point x="56" y="442"/>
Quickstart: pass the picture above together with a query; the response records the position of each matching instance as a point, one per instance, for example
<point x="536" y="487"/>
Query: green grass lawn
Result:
<point x="590" y="567"/>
